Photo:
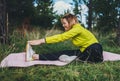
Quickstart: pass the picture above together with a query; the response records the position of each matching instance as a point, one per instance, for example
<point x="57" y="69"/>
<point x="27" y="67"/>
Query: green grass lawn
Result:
<point x="75" y="71"/>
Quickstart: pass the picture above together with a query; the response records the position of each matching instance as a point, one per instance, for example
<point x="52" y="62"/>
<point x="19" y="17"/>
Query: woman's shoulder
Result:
<point x="78" y="26"/>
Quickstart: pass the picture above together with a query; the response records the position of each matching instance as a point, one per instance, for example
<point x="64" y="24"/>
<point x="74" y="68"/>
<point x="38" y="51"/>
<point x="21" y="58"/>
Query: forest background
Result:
<point x="25" y="20"/>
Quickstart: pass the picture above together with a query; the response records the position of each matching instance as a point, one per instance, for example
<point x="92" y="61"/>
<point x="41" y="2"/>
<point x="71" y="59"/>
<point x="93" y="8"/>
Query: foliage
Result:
<point x="107" y="12"/>
<point x="88" y="3"/>
<point x="41" y="15"/>
<point x="44" y="13"/>
<point x="18" y="10"/>
<point x="76" y="9"/>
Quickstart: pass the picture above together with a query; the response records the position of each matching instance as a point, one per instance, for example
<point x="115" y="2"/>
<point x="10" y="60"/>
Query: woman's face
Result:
<point x="65" y="24"/>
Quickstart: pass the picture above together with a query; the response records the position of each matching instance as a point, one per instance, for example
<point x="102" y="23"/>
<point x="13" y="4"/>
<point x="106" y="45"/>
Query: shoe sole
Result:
<point x="27" y="55"/>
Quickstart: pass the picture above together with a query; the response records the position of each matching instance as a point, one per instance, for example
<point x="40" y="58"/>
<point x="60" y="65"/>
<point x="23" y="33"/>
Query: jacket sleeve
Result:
<point x="64" y="36"/>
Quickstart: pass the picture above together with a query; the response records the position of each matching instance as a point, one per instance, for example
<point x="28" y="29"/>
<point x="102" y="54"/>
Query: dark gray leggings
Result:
<point x="91" y="54"/>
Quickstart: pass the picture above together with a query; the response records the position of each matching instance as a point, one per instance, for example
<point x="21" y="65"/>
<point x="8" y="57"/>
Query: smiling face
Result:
<point x="65" y="24"/>
<point x="68" y="20"/>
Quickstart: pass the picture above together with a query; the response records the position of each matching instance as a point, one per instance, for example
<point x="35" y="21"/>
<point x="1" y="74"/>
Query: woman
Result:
<point x="90" y="49"/>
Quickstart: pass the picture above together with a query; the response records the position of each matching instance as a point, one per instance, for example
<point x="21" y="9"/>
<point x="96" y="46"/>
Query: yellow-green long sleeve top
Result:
<point x="80" y="36"/>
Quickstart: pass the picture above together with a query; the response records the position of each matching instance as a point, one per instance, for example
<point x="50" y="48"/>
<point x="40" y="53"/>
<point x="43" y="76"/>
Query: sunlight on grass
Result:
<point x="33" y="35"/>
<point x="52" y="32"/>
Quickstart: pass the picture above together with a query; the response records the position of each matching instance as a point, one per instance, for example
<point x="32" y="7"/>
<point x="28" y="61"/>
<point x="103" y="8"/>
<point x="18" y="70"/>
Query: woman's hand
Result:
<point x="36" y="42"/>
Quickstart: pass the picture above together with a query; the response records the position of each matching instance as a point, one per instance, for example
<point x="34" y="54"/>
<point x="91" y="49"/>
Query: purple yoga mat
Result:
<point x="18" y="60"/>
<point x="108" y="56"/>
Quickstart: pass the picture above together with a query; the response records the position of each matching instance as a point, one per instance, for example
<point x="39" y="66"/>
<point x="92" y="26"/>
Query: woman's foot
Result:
<point x="35" y="56"/>
<point x="29" y="53"/>
<point x="66" y="58"/>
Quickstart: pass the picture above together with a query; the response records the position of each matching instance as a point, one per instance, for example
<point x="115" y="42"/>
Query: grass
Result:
<point x="76" y="71"/>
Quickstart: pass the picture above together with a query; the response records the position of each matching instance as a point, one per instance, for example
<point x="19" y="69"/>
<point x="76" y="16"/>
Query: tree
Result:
<point x="76" y="9"/>
<point x="18" y="10"/>
<point x="80" y="11"/>
<point x="20" y="13"/>
<point x="118" y="33"/>
<point x="3" y="26"/>
<point x="88" y="3"/>
<point x="90" y="15"/>
<point x="45" y="14"/>
<point x="107" y="14"/>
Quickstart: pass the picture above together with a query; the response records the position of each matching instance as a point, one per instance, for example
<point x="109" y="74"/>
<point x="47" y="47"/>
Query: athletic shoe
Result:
<point x="66" y="58"/>
<point x="29" y="53"/>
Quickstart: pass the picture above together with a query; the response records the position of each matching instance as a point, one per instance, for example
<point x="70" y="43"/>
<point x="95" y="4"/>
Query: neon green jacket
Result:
<point x="80" y="36"/>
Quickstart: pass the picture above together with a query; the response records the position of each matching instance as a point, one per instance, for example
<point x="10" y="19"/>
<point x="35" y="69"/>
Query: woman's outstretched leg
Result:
<point x="55" y="56"/>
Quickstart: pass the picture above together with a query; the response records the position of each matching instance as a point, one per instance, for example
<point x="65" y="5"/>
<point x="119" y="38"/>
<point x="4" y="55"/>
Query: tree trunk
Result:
<point x="3" y="24"/>
<point x="90" y="15"/>
<point x="118" y="33"/>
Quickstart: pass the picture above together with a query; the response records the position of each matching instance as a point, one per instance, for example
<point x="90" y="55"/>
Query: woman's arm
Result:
<point x="36" y="42"/>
